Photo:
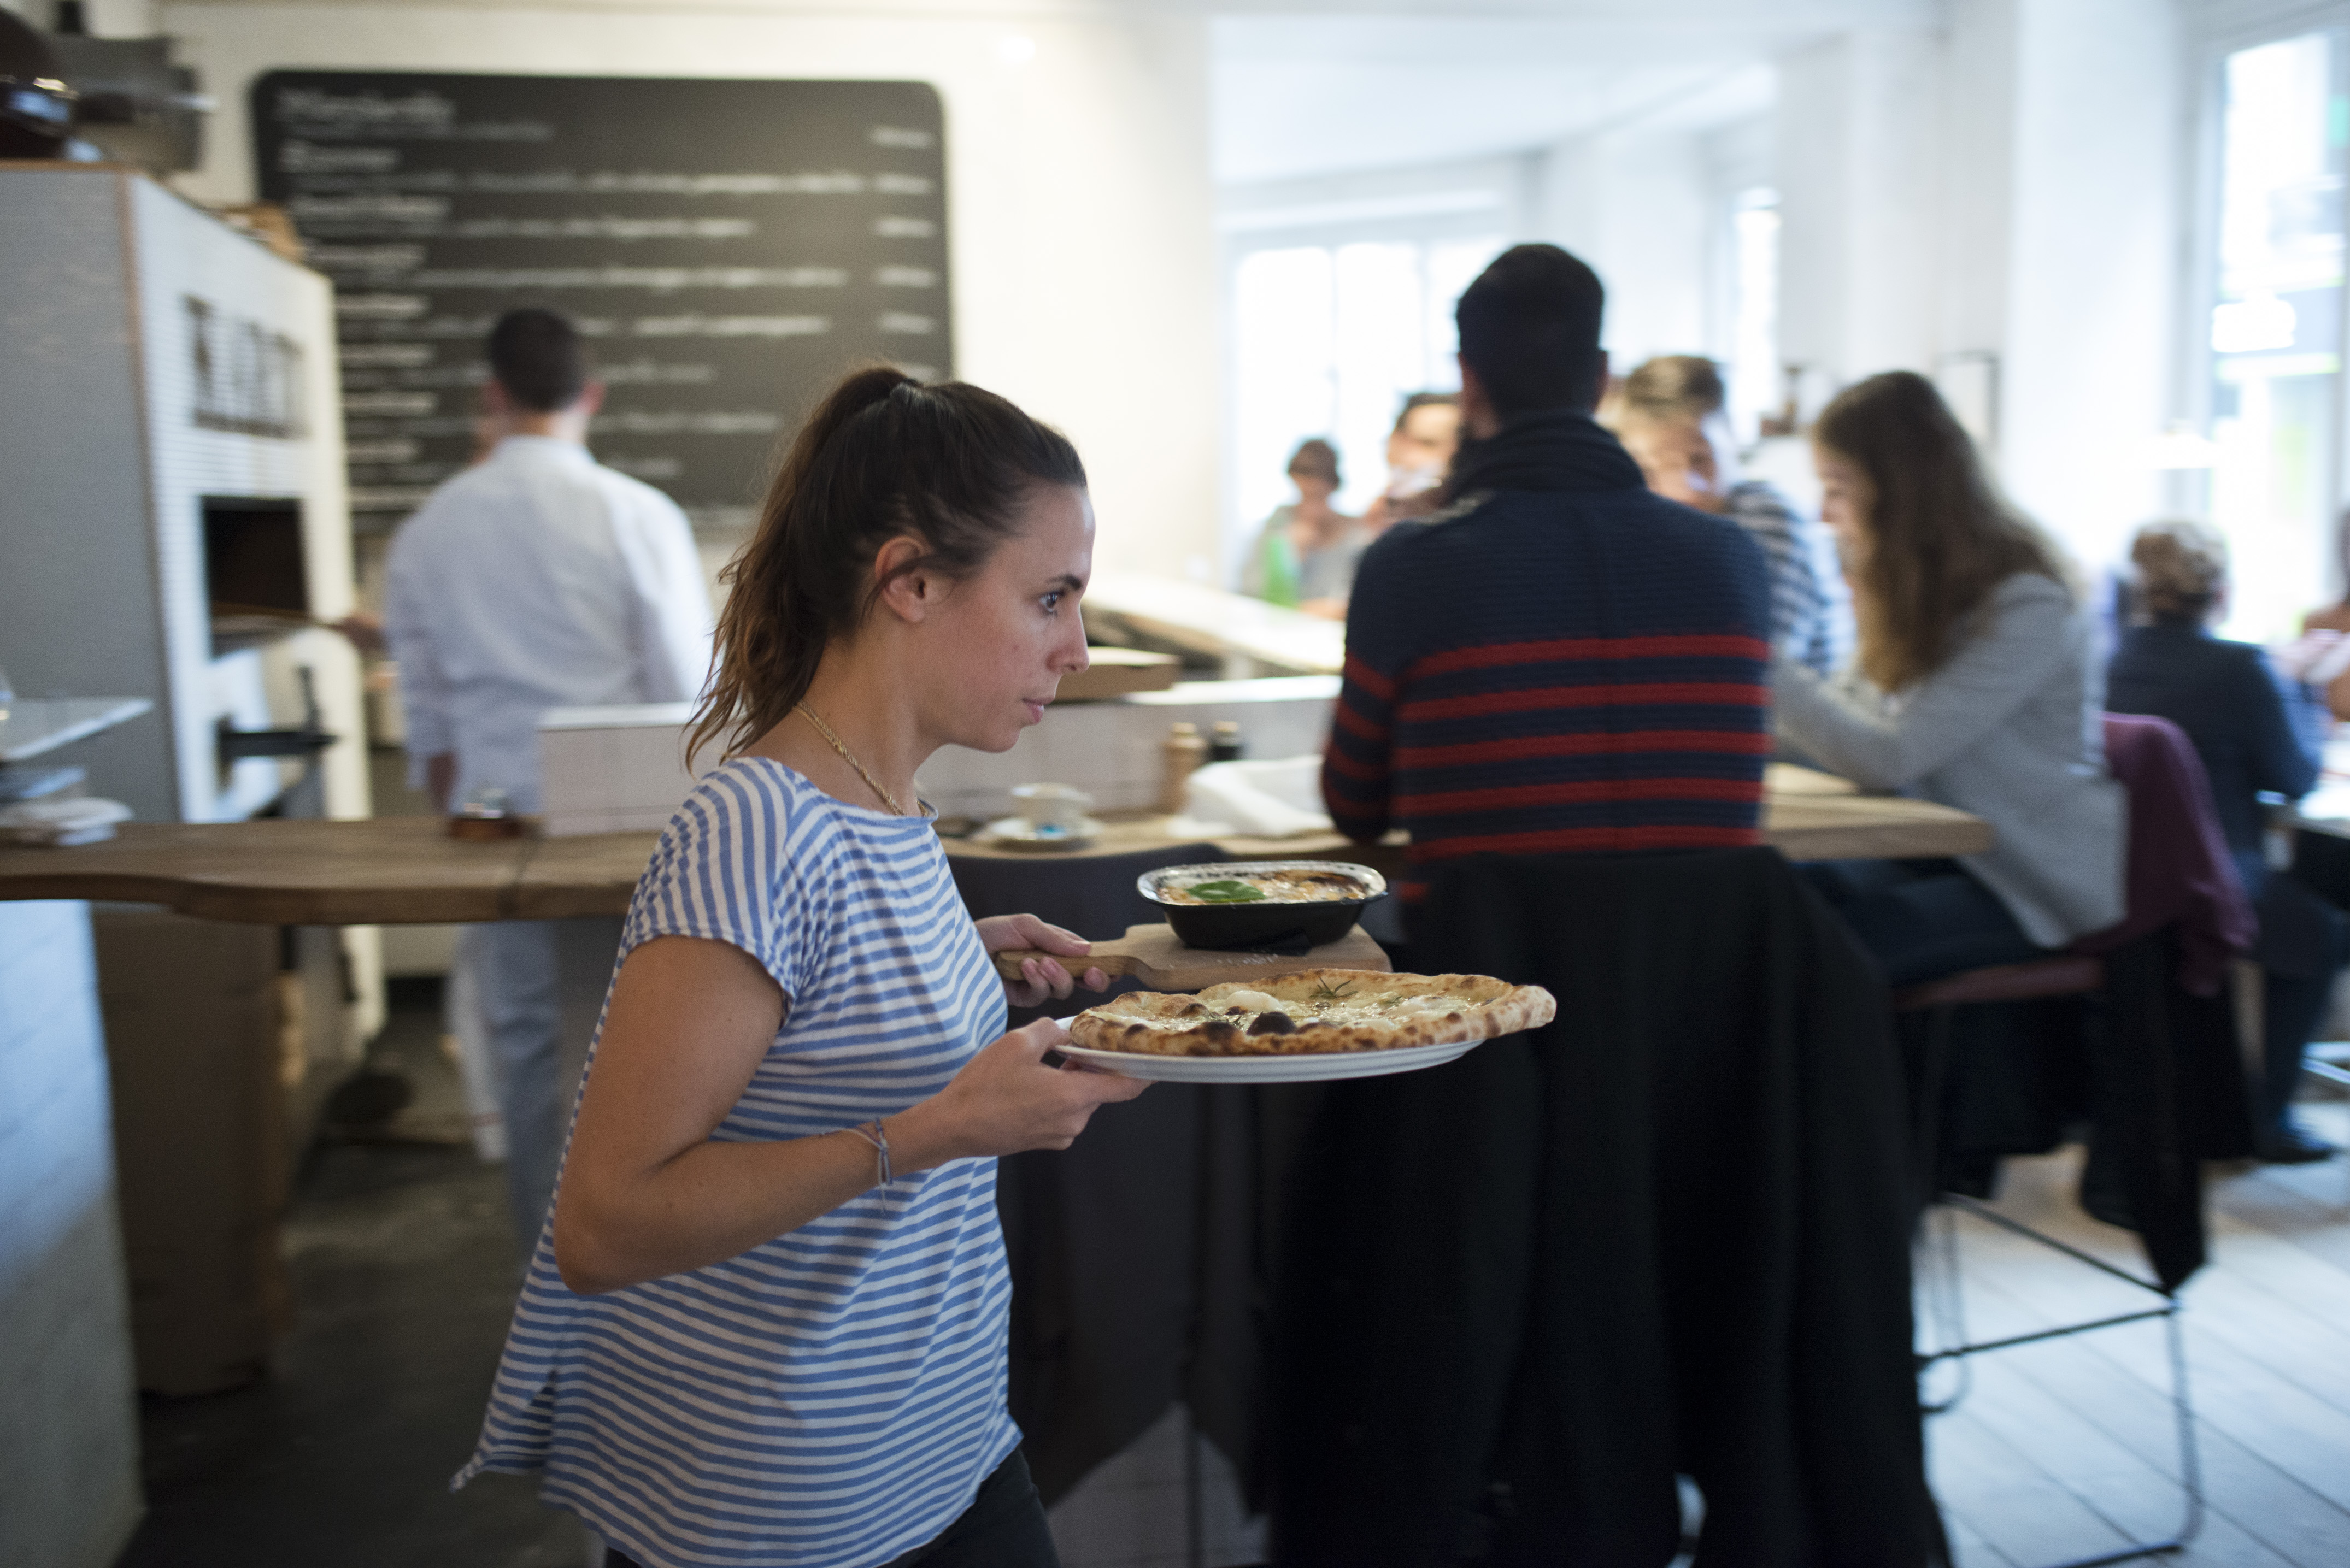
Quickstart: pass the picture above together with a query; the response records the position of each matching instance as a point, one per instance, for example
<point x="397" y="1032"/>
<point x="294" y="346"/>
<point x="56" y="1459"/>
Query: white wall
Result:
<point x="1857" y="137"/>
<point x="1978" y="173"/>
<point x="2094" y="255"/>
<point x="1081" y="252"/>
<point x="1638" y="206"/>
<point x="2007" y="186"/>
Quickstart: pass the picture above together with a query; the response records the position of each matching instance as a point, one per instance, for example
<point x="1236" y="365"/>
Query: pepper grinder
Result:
<point x="1184" y="750"/>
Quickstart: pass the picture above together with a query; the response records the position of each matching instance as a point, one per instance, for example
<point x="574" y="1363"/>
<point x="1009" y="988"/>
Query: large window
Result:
<point x="1328" y="341"/>
<point x="2276" y="325"/>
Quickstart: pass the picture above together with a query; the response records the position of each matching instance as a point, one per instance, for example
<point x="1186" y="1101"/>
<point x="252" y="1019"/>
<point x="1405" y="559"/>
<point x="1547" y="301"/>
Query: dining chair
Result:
<point x="1668" y="1235"/>
<point x="2185" y="913"/>
<point x="2072" y="975"/>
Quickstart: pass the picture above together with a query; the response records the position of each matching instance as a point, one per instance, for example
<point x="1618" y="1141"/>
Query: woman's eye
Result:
<point x="1051" y="601"/>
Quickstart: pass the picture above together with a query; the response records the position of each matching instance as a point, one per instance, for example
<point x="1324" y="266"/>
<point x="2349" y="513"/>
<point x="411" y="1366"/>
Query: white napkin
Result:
<point x="1274" y="799"/>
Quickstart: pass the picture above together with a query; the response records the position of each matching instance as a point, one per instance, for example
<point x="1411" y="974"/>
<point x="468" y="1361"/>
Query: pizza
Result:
<point x="1314" y="1012"/>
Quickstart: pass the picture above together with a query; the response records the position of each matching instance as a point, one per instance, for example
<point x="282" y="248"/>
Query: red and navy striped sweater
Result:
<point x="1566" y="662"/>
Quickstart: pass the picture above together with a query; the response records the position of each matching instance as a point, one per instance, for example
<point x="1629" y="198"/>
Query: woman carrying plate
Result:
<point x="766" y="1321"/>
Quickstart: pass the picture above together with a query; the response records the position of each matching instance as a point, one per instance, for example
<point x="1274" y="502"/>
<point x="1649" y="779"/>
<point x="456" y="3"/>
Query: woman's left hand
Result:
<point x="1040" y="978"/>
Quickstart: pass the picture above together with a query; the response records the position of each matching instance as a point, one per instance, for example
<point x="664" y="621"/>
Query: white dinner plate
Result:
<point x="1316" y="1067"/>
<point x="1019" y="832"/>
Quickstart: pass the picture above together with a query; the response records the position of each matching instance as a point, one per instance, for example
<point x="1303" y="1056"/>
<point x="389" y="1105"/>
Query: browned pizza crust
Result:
<point x="1316" y="1011"/>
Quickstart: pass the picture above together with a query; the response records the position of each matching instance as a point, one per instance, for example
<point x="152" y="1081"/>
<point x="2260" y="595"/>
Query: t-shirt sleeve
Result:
<point x="727" y="869"/>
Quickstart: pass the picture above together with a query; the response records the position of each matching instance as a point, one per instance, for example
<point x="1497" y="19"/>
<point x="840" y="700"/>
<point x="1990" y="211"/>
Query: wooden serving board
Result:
<point x="1153" y="955"/>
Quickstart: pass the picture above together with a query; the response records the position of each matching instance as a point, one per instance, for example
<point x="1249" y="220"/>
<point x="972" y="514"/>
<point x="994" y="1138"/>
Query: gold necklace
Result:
<point x="826" y="731"/>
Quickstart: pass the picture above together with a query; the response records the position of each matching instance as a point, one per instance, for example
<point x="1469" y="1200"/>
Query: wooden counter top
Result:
<point x="404" y="870"/>
<point x="390" y="871"/>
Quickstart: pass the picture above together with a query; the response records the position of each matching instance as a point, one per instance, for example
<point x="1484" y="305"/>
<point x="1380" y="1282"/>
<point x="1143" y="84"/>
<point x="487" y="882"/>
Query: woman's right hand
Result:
<point x="1006" y="1100"/>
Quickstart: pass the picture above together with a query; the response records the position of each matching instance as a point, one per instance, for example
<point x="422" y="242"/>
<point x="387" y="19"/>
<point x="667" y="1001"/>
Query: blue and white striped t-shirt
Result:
<point x="835" y="1395"/>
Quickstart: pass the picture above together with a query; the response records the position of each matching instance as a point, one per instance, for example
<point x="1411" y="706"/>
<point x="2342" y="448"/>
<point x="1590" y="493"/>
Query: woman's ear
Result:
<point x="909" y="594"/>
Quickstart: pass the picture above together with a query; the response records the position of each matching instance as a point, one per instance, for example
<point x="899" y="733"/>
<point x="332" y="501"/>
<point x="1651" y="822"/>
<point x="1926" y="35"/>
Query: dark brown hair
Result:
<point x="1941" y="535"/>
<point x="1316" y="457"/>
<point x="538" y="356"/>
<point x="1530" y="328"/>
<point x="880" y="457"/>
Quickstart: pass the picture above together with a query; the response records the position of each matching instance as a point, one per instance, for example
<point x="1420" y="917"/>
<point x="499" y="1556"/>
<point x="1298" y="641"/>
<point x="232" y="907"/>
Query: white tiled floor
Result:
<point x="1129" y="1514"/>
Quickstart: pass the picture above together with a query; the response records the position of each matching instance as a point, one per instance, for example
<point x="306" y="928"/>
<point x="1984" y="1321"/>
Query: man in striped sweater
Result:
<point x="1558" y="660"/>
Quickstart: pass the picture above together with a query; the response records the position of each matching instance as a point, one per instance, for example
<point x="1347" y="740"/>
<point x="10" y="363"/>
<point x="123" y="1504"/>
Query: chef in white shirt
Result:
<point x="537" y="578"/>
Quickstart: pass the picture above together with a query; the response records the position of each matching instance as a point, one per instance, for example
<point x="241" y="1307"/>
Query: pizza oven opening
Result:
<point x="255" y="576"/>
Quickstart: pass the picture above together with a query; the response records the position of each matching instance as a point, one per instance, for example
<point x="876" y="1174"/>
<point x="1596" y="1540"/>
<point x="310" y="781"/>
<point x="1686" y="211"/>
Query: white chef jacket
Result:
<point x="537" y="579"/>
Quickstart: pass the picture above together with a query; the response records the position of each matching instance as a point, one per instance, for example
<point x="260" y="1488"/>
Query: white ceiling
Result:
<point x="1297" y="95"/>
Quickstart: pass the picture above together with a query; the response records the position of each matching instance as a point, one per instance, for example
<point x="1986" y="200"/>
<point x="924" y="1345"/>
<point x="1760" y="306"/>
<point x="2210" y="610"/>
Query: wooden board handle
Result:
<point x="1109" y="958"/>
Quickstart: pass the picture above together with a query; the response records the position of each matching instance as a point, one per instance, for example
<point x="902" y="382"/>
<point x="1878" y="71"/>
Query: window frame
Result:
<point x="2216" y="35"/>
<point x="1295" y="214"/>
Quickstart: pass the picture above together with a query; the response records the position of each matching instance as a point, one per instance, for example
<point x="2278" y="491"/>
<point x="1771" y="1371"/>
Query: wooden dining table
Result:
<point x="401" y="870"/>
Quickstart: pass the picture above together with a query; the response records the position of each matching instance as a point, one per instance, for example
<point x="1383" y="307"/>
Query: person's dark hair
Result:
<point x="1674" y="387"/>
<point x="1529" y="329"/>
<point x="1941" y="537"/>
<point x="1316" y="458"/>
<point x="881" y="456"/>
<point x="538" y="356"/>
<point x="2177" y="571"/>
<point x="1419" y="401"/>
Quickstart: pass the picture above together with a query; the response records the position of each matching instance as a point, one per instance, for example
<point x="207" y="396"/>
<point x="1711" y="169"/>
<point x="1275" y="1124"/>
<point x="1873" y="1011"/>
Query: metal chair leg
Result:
<point x="1945" y="1289"/>
<point x="2191" y="1460"/>
<point x="1195" y="1532"/>
<point x="1934" y="1080"/>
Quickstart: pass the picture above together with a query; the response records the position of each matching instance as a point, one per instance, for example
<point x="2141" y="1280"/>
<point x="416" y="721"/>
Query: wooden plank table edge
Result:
<point x="304" y="872"/>
<point x="406" y="871"/>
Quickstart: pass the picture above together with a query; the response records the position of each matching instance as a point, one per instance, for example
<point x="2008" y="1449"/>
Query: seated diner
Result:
<point x="1976" y="685"/>
<point x="1670" y="415"/>
<point x="1305" y="555"/>
<point x="2258" y="733"/>
<point x="1557" y="659"/>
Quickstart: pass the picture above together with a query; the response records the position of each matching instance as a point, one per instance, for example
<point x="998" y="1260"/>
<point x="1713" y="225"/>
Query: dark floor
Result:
<point x="404" y="1271"/>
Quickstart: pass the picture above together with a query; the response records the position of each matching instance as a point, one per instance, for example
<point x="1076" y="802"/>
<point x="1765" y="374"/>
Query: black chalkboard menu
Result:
<point x="728" y="246"/>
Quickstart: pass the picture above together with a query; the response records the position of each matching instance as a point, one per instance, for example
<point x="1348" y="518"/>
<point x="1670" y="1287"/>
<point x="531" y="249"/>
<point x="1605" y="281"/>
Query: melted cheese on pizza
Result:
<point x="1324" y="1010"/>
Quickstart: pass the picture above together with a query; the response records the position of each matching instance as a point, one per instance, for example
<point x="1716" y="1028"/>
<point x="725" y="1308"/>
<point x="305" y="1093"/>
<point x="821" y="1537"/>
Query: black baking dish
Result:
<point x="1270" y="924"/>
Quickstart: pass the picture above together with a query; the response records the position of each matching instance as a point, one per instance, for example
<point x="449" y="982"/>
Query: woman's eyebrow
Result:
<point x="1068" y="582"/>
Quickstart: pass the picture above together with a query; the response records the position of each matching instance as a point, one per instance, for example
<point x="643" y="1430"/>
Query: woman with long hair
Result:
<point x="766" y="1321"/>
<point x="1975" y="684"/>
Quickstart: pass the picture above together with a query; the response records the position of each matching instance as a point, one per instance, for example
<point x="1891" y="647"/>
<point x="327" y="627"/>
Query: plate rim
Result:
<point x="1250" y="1066"/>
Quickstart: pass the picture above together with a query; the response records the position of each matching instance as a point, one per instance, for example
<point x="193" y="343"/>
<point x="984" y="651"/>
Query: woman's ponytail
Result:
<point x="881" y="456"/>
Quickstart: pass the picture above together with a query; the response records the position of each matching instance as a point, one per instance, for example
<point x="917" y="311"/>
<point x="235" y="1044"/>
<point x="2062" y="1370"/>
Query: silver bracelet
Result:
<point x="879" y="1138"/>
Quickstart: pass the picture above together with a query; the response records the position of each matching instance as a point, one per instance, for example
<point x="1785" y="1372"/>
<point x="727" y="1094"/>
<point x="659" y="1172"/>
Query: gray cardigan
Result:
<point x="2009" y="729"/>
